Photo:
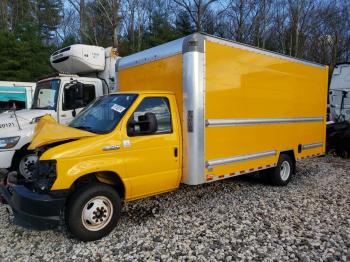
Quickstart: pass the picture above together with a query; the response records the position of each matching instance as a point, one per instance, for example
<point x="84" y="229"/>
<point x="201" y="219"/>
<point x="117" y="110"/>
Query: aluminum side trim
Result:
<point x="193" y="118"/>
<point x="153" y="54"/>
<point x="311" y="146"/>
<point x="260" y="121"/>
<point x="235" y="159"/>
<point x="193" y="43"/>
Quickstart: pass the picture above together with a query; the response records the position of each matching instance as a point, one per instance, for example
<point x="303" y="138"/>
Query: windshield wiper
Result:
<point x="90" y="129"/>
<point x="42" y="108"/>
<point x="86" y="128"/>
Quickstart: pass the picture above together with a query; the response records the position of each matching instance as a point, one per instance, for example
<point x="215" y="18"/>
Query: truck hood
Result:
<point x="25" y="117"/>
<point x="48" y="131"/>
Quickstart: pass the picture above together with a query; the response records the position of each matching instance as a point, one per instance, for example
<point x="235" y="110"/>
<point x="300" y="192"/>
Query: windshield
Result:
<point x="103" y="115"/>
<point x="46" y="94"/>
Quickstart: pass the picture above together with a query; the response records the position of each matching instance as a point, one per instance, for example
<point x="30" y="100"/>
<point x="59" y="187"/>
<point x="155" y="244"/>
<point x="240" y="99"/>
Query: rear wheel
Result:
<point x="282" y="173"/>
<point x="93" y="211"/>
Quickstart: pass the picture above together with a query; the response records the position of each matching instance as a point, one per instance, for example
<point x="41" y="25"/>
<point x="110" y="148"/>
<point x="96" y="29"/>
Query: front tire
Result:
<point x="24" y="163"/>
<point x="93" y="211"/>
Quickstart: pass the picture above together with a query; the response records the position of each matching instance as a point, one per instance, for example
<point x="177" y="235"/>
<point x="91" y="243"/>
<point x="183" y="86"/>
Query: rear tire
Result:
<point x="282" y="173"/>
<point x="93" y="211"/>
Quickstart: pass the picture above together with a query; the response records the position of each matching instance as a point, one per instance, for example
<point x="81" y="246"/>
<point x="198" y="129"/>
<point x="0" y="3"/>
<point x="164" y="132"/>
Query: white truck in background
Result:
<point x="83" y="73"/>
<point x="338" y="128"/>
<point x="339" y="93"/>
<point x="18" y="93"/>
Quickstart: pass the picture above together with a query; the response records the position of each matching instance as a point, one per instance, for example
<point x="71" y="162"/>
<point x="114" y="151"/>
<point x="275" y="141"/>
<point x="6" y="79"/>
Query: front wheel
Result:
<point x="93" y="211"/>
<point x="24" y="163"/>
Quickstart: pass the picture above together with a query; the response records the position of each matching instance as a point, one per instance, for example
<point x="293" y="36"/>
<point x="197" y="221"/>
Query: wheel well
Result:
<point x="18" y="152"/>
<point x="105" y="177"/>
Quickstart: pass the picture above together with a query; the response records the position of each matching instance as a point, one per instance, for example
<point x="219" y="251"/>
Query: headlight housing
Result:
<point x="35" y="120"/>
<point x="44" y="174"/>
<point x="8" y="142"/>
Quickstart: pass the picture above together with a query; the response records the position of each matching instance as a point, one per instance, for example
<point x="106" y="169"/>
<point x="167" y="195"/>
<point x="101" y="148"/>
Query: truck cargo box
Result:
<point x="240" y="106"/>
<point x="18" y="93"/>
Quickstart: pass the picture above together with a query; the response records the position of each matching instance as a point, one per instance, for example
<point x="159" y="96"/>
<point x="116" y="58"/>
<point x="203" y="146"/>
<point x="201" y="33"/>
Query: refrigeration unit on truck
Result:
<point x="192" y="111"/>
<point x="62" y="95"/>
<point x="18" y="94"/>
<point x="338" y="129"/>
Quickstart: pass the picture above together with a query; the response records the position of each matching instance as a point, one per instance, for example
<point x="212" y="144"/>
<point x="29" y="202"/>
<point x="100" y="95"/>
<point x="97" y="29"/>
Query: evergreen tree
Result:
<point x="48" y="17"/>
<point x="160" y="31"/>
<point x="183" y="23"/>
<point x="24" y="56"/>
<point x="25" y="36"/>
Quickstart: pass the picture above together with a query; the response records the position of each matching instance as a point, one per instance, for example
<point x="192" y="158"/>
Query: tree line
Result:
<point x="30" y="30"/>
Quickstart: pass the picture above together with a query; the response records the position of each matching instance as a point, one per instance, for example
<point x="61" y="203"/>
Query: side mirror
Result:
<point x="147" y="124"/>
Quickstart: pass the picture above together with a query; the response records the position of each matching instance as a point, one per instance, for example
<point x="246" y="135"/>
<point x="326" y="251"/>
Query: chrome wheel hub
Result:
<point x="285" y="170"/>
<point x="27" y="165"/>
<point x="97" y="213"/>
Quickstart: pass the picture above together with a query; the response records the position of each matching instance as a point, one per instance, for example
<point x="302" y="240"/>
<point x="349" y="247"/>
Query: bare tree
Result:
<point x="239" y="18"/>
<point x="278" y="32"/>
<point x="330" y="35"/>
<point x="3" y="15"/>
<point x="79" y="6"/>
<point x="110" y="9"/>
<point x="69" y="27"/>
<point x="134" y="19"/>
<point x="301" y="13"/>
<point x="261" y="22"/>
<point x="196" y="9"/>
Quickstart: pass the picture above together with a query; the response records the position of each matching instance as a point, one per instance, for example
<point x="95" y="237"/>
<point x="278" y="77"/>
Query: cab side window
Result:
<point x="152" y="116"/>
<point x="71" y="100"/>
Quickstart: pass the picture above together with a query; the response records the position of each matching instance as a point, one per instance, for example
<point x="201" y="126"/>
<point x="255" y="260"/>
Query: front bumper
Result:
<point x="6" y="158"/>
<point x="32" y="209"/>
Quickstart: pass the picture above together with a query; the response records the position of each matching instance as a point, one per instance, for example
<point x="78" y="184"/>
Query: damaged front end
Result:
<point x="31" y="199"/>
<point x="31" y="203"/>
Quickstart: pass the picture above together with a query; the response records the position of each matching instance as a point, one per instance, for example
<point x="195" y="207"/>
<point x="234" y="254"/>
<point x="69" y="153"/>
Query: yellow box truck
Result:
<point x="191" y="111"/>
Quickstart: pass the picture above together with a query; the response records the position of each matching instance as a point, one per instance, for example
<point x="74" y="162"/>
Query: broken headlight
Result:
<point x="44" y="174"/>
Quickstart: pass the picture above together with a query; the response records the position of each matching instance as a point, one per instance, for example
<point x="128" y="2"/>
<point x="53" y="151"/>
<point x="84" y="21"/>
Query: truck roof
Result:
<point x="17" y="84"/>
<point x="179" y="46"/>
<point x="56" y="75"/>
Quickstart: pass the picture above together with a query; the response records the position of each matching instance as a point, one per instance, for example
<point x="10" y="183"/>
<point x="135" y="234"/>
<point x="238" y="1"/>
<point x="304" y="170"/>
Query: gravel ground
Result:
<point x="234" y="219"/>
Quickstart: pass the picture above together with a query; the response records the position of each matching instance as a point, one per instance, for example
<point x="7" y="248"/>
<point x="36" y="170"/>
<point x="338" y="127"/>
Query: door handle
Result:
<point x="109" y="148"/>
<point x="175" y="152"/>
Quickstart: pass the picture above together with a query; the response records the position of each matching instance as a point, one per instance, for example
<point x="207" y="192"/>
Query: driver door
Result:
<point x="153" y="163"/>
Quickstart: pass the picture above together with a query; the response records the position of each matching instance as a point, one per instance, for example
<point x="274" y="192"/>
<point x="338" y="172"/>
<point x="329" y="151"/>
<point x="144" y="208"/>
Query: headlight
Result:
<point x="44" y="174"/>
<point x="8" y="142"/>
<point x="35" y="120"/>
